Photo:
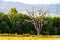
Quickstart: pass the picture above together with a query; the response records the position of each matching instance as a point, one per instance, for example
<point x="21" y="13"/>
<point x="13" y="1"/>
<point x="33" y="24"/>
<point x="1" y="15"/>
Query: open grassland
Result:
<point x="20" y="37"/>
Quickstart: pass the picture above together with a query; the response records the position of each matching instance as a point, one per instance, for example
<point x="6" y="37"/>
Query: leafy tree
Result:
<point x="4" y="24"/>
<point x="56" y="25"/>
<point x="13" y="10"/>
<point x="48" y="26"/>
<point x="13" y="17"/>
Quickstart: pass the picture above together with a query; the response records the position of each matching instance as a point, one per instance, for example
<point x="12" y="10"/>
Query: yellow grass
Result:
<point x="27" y="38"/>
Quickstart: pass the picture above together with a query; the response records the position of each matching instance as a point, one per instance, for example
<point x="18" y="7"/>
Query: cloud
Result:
<point x="2" y="8"/>
<point x="36" y="1"/>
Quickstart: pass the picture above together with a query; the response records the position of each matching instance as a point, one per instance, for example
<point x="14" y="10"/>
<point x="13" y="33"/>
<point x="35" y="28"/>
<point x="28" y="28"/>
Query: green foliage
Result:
<point x="47" y="27"/>
<point x="1" y="13"/>
<point x="15" y="22"/>
<point x="13" y="10"/>
<point x="56" y="25"/>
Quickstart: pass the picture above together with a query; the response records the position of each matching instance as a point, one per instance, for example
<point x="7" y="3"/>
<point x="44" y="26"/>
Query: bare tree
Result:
<point x="37" y="19"/>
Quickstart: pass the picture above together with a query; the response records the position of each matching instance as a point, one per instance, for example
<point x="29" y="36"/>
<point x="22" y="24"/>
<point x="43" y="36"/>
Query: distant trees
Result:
<point x="52" y="26"/>
<point x="56" y="25"/>
<point x="48" y="26"/>
<point x="18" y="23"/>
<point x="4" y="23"/>
<point x="34" y="22"/>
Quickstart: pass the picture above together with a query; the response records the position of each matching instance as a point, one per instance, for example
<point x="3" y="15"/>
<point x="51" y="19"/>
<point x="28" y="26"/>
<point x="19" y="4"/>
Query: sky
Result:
<point x="36" y="1"/>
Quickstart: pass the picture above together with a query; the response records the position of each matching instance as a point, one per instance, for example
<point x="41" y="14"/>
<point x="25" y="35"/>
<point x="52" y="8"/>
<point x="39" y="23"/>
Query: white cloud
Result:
<point x="36" y="1"/>
<point x="2" y="8"/>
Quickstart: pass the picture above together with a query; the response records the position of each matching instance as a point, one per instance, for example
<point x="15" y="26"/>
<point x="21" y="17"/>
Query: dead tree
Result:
<point x="37" y="19"/>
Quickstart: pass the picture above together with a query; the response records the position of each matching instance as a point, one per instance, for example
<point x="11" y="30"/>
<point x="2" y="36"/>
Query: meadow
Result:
<point x="29" y="37"/>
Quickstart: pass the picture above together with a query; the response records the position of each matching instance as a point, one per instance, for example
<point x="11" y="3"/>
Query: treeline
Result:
<point x="14" y="22"/>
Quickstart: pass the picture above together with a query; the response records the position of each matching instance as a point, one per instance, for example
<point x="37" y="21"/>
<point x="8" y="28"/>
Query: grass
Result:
<point x="29" y="37"/>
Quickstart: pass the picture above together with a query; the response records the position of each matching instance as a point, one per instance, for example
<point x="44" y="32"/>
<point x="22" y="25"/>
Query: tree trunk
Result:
<point x="38" y="32"/>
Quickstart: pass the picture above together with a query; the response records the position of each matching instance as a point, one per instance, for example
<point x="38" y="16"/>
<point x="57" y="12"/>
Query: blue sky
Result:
<point x="36" y="1"/>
